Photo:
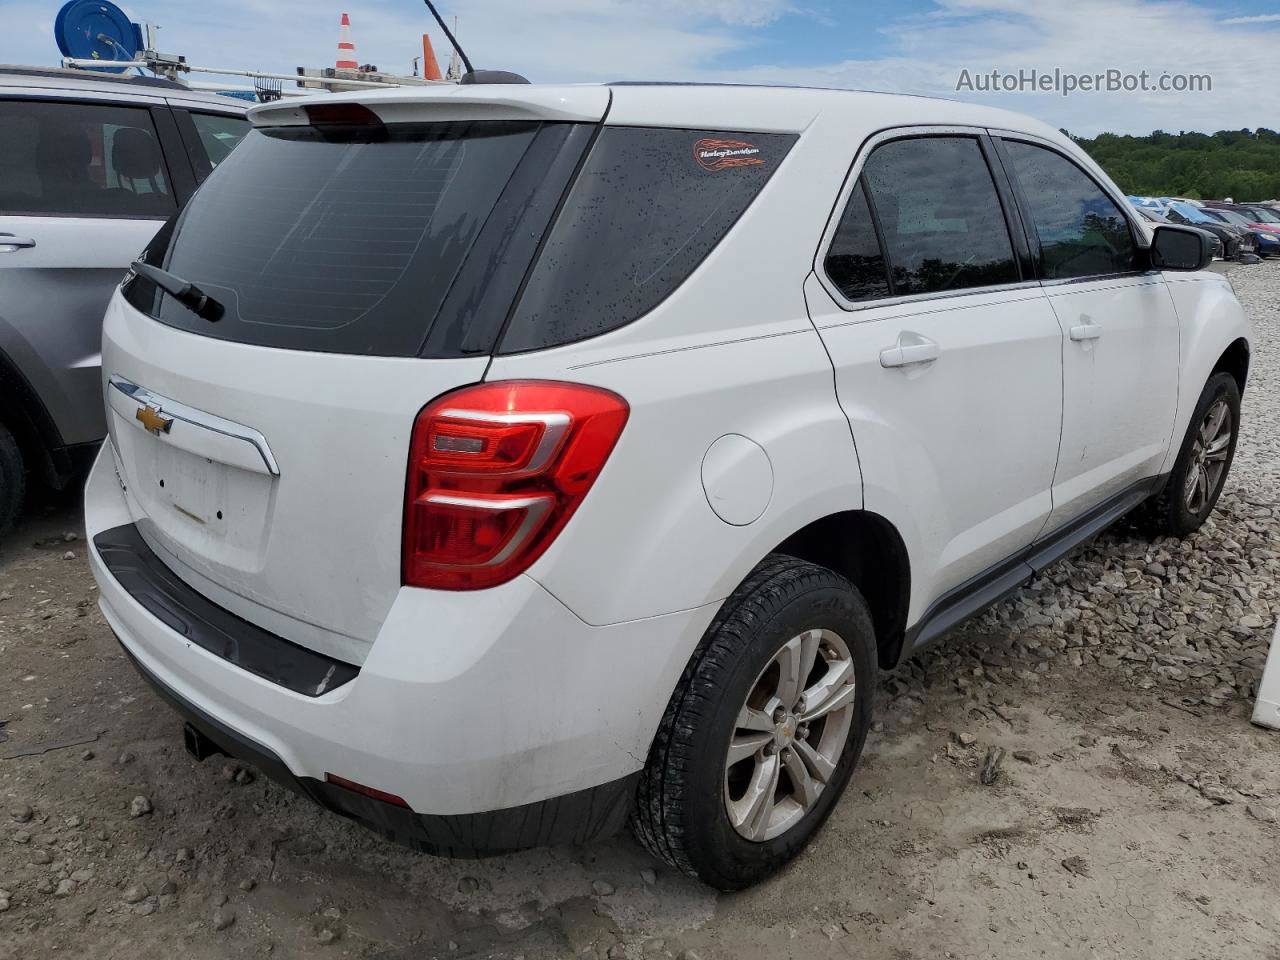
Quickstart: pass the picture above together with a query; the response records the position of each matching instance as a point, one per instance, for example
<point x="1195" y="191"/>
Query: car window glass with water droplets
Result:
<point x="1082" y="231"/>
<point x="646" y="209"/>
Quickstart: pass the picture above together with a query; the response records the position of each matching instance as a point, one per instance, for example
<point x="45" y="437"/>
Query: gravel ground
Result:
<point x="1132" y="812"/>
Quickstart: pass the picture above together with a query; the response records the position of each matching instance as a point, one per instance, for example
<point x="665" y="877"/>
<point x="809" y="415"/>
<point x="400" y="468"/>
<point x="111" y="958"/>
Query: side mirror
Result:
<point x="1180" y="248"/>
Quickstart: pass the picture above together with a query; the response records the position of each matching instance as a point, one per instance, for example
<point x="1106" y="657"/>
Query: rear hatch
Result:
<point x="366" y="255"/>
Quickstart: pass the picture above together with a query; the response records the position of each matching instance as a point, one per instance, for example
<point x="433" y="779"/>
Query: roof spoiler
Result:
<point x="449" y="102"/>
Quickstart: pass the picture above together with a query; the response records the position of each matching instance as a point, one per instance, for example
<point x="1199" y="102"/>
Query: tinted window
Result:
<point x="81" y="159"/>
<point x="646" y="209"/>
<point x="341" y="240"/>
<point x="1082" y="231"/>
<point x="854" y="261"/>
<point x="940" y="215"/>
<point x="219" y="134"/>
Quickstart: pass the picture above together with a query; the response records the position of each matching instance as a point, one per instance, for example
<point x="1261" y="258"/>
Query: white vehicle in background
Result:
<point x="496" y="463"/>
<point x="91" y="165"/>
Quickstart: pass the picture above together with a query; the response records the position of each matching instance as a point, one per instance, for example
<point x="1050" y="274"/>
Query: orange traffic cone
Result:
<point x="346" y="49"/>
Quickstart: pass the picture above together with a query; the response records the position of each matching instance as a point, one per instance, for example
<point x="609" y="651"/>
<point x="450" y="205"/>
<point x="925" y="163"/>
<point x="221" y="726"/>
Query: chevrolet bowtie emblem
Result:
<point x="153" y="420"/>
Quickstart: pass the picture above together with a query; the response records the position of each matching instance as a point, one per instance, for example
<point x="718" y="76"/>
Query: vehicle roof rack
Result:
<point x="64" y="73"/>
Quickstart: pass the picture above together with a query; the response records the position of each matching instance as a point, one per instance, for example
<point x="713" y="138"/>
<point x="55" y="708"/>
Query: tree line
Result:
<point x="1241" y="164"/>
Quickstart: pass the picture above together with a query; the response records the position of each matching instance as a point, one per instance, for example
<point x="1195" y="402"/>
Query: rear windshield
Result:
<point x="648" y="207"/>
<point x="342" y="240"/>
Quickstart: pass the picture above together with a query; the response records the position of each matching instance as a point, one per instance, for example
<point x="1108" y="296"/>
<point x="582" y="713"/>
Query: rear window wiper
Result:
<point x="185" y="292"/>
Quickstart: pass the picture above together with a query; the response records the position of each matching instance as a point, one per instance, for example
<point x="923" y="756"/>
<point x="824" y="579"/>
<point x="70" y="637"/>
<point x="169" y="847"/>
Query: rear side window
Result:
<point x="940" y="215"/>
<point x="854" y="261"/>
<point x="218" y="135"/>
<point x="87" y="160"/>
<point x="336" y="239"/>
<point x="646" y="209"/>
<point x="1082" y="231"/>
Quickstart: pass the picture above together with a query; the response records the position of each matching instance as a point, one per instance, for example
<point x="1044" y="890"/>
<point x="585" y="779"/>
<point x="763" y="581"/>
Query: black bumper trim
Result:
<point x="184" y="610"/>
<point x="574" y="818"/>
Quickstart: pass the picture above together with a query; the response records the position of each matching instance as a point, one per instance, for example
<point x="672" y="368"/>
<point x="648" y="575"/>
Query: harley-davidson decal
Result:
<point x="721" y="154"/>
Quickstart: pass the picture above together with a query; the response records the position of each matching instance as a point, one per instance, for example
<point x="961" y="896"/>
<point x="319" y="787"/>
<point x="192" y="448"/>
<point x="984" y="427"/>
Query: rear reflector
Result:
<point x="495" y="472"/>
<point x="360" y="788"/>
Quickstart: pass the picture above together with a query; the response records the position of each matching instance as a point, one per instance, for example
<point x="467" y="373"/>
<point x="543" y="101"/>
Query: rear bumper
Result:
<point x="501" y="718"/>
<point x="574" y="818"/>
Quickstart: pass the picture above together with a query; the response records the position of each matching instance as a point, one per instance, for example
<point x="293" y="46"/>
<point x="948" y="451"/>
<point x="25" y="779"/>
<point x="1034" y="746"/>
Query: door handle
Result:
<point x="1086" y="331"/>
<point x="910" y="349"/>
<point x="10" y="243"/>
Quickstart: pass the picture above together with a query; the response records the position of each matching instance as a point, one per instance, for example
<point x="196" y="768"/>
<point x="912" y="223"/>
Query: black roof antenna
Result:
<point x="473" y="75"/>
<point x="466" y="62"/>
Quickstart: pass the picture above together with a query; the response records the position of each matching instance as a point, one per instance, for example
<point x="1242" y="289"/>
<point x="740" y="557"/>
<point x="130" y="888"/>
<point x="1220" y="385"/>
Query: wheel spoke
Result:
<point x="796" y="661"/>
<point x="819" y="766"/>
<point x="1217" y="450"/>
<point x="745" y="745"/>
<point x="756" y="720"/>
<point x="1213" y="422"/>
<point x="806" y="787"/>
<point x="751" y="813"/>
<point x="834" y="690"/>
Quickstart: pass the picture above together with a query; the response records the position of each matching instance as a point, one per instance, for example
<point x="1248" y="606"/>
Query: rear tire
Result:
<point x="1203" y="463"/>
<point x="695" y="805"/>
<point x="13" y="480"/>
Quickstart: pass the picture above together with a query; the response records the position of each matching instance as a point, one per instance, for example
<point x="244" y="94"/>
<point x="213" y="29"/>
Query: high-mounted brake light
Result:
<point x="495" y="472"/>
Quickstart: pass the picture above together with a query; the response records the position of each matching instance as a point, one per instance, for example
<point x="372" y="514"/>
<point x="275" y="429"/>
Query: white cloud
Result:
<point x="595" y="40"/>
<point x="1261" y="18"/>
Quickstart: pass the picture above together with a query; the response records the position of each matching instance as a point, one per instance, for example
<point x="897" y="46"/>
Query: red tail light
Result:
<point x="495" y="472"/>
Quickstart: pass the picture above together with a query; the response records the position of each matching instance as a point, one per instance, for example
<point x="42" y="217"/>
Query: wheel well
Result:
<point x="1235" y="361"/>
<point x="866" y="549"/>
<point x="33" y="429"/>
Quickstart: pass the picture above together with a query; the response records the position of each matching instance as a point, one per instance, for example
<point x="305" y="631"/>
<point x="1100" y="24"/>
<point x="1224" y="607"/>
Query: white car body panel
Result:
<point x="1119" y="392"/>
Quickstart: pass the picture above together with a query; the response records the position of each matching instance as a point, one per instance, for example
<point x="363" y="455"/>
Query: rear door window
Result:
<point x="1082" y="231"/>
<point x="854" y="261"/>
<point x="216" y="135"/>
<point x="647" y="208"/>
<point x="336" y="239"/>
<point x="940" y="214"/>
<point x="81" y="159"/>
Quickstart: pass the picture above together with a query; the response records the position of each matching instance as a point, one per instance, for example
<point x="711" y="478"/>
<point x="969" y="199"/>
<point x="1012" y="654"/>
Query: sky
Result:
<point x="907" y="46"/>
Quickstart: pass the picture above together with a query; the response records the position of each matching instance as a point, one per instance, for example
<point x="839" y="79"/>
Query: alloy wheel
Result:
<point x="1209" y="455"/>
<point x="789" y="735"/>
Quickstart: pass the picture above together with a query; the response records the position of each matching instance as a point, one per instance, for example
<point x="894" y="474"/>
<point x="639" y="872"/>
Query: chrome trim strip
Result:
<point x="198" y="418"/>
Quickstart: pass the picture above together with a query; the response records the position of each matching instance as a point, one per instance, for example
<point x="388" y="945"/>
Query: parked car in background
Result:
<point x="1149" y="214"/>
<point x="501" y="516"/>
<point x="1236" y="240"/>
<point x="1260" y="217"/>
<point x="1268" y="242"/>
<point x="1219" y="247"/>
<point x="91" y="165"/>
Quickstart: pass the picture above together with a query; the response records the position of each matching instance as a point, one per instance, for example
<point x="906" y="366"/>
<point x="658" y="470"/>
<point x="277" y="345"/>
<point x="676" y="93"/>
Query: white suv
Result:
<point x="496" y="463"/>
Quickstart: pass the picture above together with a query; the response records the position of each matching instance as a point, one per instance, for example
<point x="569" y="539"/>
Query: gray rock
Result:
<point x="468" y="885"/>
<point x="135" y="893"/>
<point x="4" y="904"/>
<point x="139" y="807"/>
<point x="602" y="888"/>
<point x="222" y="918"/>
<point x="326" y="935"/>
<point x="965" y="739"/>
<point x="1026" y="756"/>
<point x="21" y="836"/>
<point x="126" y="758"/>
<point x="87" y="755"/>
<point x="145" y="909"/>
<point x="168" y="888"/>
<point x="1262" y="814"/>
<point x="648" y="876"/>
<point x="21" y="812"/>
<point x="45" y="886"/>
<point x="41" y="856"/>
<point x="247" y="884"/>
<point x="66" y="888"/>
